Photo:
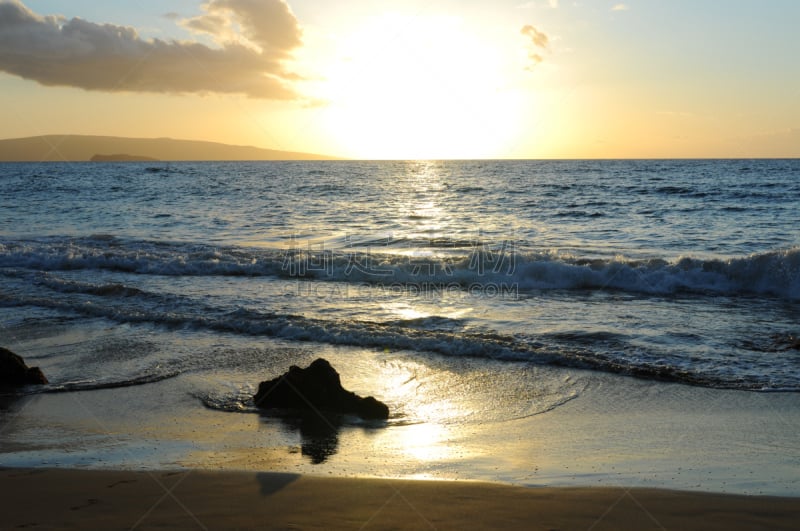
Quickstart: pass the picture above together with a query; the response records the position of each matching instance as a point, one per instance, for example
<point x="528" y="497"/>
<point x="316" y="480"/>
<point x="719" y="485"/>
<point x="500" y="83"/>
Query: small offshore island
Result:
<point x="82" y="148"/>
<point x="122" y="158"/>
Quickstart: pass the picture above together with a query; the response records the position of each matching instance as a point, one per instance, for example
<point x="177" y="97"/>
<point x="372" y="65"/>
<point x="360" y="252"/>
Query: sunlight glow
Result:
<point x="405" y="87"/>
<point x="406" y="312"/>
<point x="426" y="442"/>
<point x="423" y="435"/>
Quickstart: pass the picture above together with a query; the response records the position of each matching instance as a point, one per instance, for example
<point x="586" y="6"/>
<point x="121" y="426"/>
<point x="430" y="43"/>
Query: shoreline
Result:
<point x="616" y="432"/>
<point x="195" y="499"/>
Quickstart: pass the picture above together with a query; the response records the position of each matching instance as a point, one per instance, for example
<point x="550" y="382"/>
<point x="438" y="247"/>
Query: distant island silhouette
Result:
<point x="121" y="158"/>
<point x="82" y="148"/>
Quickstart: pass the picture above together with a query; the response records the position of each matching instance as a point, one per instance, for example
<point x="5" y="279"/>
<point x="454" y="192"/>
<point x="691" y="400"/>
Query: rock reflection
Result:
<point x="319" y="432"/>
<point x="319" y="435"/>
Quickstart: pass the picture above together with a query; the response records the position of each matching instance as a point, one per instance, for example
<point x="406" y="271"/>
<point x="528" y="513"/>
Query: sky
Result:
<point x="412" y="79"/>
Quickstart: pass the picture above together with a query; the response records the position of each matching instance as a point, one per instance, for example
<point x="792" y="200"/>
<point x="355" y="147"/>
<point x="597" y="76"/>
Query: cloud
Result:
<point x="535" y="59"/>
<point x="538" y="38"/>
<point x="620" y="7"/>
<point x="268" y="24"/>
<point x="537" y="41"/>
<point x="54" y="51"/>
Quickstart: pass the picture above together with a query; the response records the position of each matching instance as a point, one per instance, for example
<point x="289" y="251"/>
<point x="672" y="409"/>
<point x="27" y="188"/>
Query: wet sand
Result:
<point x="80" y="499"/>
<point x="617" y="433"/>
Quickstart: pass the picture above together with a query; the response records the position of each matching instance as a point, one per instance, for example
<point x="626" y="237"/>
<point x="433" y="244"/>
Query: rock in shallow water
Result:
<point x="316" y="387"/>
<point x="14" y="372"/>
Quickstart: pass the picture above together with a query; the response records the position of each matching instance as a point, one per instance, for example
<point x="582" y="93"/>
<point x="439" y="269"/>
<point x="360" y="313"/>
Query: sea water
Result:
<point x="466" y="294"/>
<point x="680" y="270"/>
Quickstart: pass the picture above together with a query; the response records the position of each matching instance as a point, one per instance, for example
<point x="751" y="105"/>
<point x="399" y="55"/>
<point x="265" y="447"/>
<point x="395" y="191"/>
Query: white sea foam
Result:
<point x="774" y="273"/>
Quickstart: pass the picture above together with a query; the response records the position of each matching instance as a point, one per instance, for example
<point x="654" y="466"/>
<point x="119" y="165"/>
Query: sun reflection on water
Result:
<point x="425" y="442"/>
<point x="419" y="200"/>
<point x="422" y="431"/>
<point x="405" y="311"/>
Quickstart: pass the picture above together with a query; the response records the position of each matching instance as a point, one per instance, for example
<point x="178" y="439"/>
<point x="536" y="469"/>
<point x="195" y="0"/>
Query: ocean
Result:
<point x="498" y="281"/>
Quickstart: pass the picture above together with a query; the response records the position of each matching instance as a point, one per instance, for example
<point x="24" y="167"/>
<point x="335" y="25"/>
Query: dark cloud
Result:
<point x="55" y="51"/>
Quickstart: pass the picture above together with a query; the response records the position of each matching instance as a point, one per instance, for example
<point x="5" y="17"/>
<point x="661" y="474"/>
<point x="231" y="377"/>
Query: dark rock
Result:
<point x="14" y="372"/>
<point x="316" y="388"/>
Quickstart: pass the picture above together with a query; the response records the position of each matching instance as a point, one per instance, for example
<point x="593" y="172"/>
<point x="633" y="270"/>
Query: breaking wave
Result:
<point x="446" y="263"/>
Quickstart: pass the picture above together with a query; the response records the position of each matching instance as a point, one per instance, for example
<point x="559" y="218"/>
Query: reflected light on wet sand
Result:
<point x="426" y="442"/>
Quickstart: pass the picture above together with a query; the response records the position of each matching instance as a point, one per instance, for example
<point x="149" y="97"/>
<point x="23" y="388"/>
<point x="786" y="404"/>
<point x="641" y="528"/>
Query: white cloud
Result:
<point x="620" y="7"/>
<point x="55" y="51"/>
<point x="268" y="24"/>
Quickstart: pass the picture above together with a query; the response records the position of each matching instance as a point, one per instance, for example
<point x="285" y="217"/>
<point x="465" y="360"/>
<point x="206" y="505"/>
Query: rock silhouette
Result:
<point x="316" y="388"/>
<point x="15" y="373"/>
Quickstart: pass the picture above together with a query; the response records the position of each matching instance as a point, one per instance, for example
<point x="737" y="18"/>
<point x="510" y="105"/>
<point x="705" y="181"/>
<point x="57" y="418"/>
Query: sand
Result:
<point x="81" y="499"/>
<point x="623" y="454"/>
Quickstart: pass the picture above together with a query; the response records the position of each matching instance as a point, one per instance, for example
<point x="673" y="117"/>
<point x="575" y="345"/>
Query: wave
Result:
<point x="440" y="263"/>
<point x="90" y="385"/>
<point x="111" y="384"/>
<point x="439" y="335"/>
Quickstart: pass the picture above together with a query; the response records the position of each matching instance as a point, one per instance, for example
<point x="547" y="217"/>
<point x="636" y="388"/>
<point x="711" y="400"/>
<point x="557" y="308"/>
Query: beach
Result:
<point x="624" y="454"/>
<point x="70" y="499"/>
<point x="563" y="344"/>
<point x="615" y="432"/>
<point x="286" y="264"/>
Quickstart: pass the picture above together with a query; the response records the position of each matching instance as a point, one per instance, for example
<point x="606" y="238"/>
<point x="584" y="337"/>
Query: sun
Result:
<point x="410" y="87"/>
